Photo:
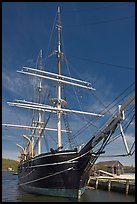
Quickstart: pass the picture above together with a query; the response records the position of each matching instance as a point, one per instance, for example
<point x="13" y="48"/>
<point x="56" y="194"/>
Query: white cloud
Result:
<point x="9" y="154"/>
<point x="130" y="138"/>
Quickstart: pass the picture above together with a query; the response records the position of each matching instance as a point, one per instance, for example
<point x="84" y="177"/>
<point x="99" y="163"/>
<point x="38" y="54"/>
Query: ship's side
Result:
<point x="62" y="173"/>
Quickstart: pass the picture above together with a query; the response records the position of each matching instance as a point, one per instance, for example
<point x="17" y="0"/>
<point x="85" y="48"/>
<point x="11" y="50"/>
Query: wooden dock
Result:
<point x="115" y="183"/>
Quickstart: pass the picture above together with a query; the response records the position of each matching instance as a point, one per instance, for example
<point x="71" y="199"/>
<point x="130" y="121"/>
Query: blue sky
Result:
<point x="98" y="41"/>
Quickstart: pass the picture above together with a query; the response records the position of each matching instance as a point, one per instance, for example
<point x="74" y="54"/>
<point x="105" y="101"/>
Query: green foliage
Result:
<point x="8" y="163"/>
<point x="105" y="168"/>
<point x="129" y="167"/>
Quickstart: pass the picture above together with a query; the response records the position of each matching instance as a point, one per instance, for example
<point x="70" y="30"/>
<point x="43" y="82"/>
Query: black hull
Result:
<point x="63" y="173"/>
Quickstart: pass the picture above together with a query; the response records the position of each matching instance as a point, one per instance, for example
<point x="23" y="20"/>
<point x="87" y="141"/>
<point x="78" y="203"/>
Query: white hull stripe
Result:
<point x="45" y="177"/>
<point x="58" y="163"/>
<point x="52" y="164"/>
<point x="61" y="153"/>
<point x="27" y="174"/>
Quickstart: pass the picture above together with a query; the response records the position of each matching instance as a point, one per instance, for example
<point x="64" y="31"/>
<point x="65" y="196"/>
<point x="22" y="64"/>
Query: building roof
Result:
<point x="109" y="163"/>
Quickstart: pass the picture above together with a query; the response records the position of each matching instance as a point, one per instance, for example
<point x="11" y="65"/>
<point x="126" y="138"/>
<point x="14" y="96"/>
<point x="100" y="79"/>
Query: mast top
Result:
<point x="40" y="65"/>
<point x="58" y="9"/>
<point x="41" y="53"/>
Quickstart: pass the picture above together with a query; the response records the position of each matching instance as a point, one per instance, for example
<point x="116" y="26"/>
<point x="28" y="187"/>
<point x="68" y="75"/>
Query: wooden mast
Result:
<point x="59" y="83"/>
<point x="40" y="66"/>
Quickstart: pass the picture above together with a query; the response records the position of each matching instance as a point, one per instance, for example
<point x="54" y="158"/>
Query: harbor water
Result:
<point x="12" y="193"/>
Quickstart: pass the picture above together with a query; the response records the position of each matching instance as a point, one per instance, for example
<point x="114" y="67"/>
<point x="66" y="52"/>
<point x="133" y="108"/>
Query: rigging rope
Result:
<point x="116" y="137"/>
<point x="45" y="125"/>
<point x="51" y="34"/>
<point x="67" y="127"/>
<point x="104" y="63"/>
<point x="70" y="76"/>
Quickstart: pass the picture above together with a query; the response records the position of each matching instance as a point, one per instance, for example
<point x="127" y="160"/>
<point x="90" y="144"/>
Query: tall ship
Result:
<point x="62" y="171"/>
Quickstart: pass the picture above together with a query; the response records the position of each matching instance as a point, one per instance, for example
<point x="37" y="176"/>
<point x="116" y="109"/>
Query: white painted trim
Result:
<point x="66" y="161"/>
<point x="45" y="177"/>
<point x="39" y="157"/>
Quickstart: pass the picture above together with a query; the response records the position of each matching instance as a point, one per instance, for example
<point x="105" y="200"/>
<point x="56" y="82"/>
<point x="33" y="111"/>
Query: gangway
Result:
<point x="106" y="173"/>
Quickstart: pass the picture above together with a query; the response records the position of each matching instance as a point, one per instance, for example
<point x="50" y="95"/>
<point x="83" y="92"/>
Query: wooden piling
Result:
<point x="127" y="186"/>
<point x="118" y="183"/>
<point x="109" y="184"/>
<point x="96" y="183"/>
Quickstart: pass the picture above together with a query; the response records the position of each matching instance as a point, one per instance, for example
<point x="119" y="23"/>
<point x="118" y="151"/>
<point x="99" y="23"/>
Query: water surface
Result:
<point x="12" y="193"/>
